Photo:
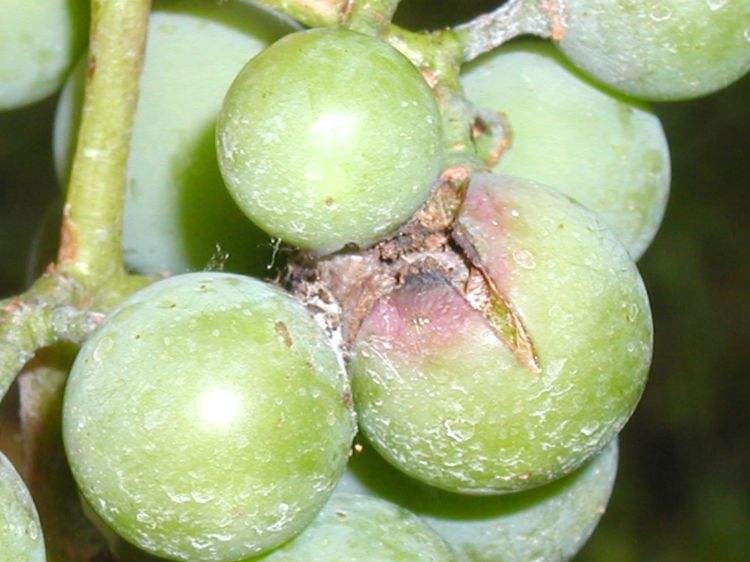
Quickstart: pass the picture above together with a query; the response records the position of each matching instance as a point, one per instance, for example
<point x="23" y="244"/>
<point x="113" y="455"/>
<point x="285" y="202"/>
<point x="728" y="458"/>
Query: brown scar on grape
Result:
<point x="283" y="332"/>
<point x="494" y="129"/>
<point x="68" y="238"/>
<point x="429" y="77"/>
<point x="340" y="290"/>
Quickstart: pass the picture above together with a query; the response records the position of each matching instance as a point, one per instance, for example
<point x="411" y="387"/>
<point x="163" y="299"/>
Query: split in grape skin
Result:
<point x="448" y="402"/>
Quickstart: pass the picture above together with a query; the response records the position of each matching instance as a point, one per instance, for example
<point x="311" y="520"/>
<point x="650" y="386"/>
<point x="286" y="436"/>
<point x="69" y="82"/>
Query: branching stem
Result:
<point x="543" y="18"/>
<point x="31" y="321"/>
<point x="438" y="56"/>
<point x="89" y="274"/>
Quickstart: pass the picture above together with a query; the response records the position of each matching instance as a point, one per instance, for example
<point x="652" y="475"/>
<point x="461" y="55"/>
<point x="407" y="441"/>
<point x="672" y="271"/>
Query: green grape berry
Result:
<point x="177" y="209"/>
<point x="21" y="537"/>
<point x="659" y="49"/>
<point x="606" y="151"/>
<point x="39" y="41"/>
<point x="358" y="528"/>
<point x="207" y="418"/>
<point x="467" y="408"/>
<point x="329" y="137"/>
<point x="551" y="522"/>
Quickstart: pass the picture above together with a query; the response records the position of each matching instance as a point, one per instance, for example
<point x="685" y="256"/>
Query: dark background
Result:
<point x="683" y="490"/>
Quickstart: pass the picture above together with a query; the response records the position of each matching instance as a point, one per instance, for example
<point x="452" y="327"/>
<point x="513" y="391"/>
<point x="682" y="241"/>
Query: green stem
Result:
<point x="39" y="318"/>
<point x="92" y="221"/>
<point x="312" y="13"/>
<point x="438" y="56"/>
<point x="371" y="16"/>
<point x="89" y="274"/>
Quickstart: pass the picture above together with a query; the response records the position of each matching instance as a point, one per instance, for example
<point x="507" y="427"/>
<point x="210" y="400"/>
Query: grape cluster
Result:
<point x="472" y="306"/>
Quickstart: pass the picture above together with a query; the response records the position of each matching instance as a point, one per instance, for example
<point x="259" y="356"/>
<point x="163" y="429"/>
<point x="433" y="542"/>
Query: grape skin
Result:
<point x="21" y="537"/>
<point x="207" y="418"/>
<point x="177" y="208"/>
<point x="39" y="41"/>
<point x="659" y="49"/>
<point x="359" y="528"/>
<point x="328" y="138"/>
<point x="551" y="522"/>
<point x="442" y="398"/>
<point x="606" y="151"/>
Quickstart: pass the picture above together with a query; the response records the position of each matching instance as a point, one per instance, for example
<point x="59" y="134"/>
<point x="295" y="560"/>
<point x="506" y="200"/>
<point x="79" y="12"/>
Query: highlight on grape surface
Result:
<point x="325" y="287"/>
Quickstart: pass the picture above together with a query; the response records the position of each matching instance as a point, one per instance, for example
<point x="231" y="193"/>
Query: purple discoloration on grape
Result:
<point x="426" y="312"/>
<point x="440" y="366"/>
<point x="486" y="212"/>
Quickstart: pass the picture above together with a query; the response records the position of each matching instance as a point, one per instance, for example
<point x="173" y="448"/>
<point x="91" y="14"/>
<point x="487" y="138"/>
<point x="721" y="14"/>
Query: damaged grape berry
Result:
<point x="488" y="335"/>
<point x="528" y="390"/>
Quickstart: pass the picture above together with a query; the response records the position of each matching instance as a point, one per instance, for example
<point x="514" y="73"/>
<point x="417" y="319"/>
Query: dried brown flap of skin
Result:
<point x="430" y="244"/>
<point x="483" y="295"/>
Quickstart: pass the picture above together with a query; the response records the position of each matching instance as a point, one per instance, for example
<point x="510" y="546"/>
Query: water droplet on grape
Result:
<point x="554" y="368"/>
<point x="555" y="311"/>
<point x="101" y="350"/>
<point x="632" y="312"/>
<point x="143" y="517"/>
<point x="202" y="496"/>
<point x="524" y="258"/>
<point x="152" y="419"/>
<point x="590" y="428"/>
<point x="660" y="13"/>
<point x="199" y="543"/>
<point x="458" y="431"/>
<point x="746" y="34"/>
<point x="716" y="4"/>
<point x="175" y="496"/>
